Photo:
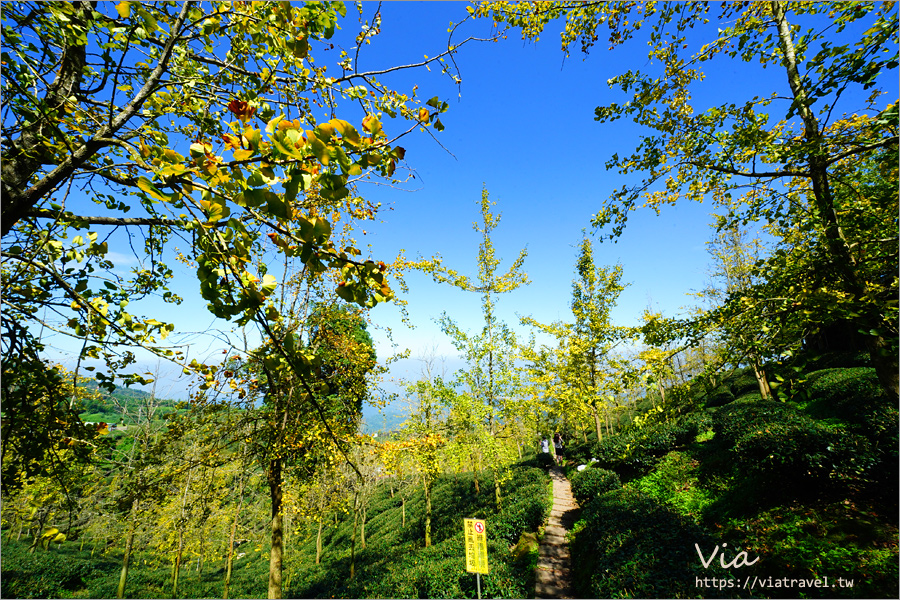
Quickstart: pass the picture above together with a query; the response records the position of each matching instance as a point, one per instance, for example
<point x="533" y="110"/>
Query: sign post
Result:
<point x="476" y="549"/>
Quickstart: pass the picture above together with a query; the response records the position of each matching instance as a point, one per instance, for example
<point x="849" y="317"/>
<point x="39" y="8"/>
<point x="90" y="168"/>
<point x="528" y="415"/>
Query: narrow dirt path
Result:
<point x="554" y="563"/>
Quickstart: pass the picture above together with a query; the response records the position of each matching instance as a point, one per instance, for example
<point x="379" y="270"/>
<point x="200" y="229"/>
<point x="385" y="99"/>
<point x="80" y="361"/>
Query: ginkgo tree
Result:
<point x="580" y="363"/>
<point x="491" y="378"/>
<point x="783" y="151"/>
<point x="216" y="127"/>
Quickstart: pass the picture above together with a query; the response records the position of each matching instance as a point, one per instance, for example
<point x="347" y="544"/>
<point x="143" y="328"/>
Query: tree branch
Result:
<point x="18" y="204"/>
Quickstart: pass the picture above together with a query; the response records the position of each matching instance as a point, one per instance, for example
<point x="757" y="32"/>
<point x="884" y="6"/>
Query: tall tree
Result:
<point x="582" y="359"/>
<point x="833" y="57"/>
<point x="491" y="376"/>
<point x="734" y="274"/>
<point x="291" y="429"/>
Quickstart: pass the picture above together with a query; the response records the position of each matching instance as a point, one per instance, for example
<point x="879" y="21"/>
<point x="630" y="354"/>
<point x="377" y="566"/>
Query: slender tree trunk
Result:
<point x="497" y="497"/>
<point x="276" y="553"/>
<point x="353" y="537"/>
<point x="362" y="527"/>
<point x="427" y="486"/>
<point x="597" y="424"/>
<point x="764" y="390"/>
<point x="129" y="541"/>
<point x="229" y="562"/>
<point x="885" y="363"/>
<point x="403" y="511"/>
<point x="319" y="542"/>
<point x="176" y="570"/>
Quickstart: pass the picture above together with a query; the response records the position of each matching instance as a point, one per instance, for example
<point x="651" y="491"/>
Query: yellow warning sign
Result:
<point x="476" y="546"/>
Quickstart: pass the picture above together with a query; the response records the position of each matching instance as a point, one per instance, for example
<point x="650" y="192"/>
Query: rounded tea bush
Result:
<point x="590" y="483"/>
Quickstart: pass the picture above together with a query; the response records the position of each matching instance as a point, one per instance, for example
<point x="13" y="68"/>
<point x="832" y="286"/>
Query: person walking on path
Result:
<point x="545" y="445"/>
<point x="558" y="446"/>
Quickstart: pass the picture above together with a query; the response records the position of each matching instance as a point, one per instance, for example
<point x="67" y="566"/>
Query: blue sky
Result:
<point x="522" y="125"/>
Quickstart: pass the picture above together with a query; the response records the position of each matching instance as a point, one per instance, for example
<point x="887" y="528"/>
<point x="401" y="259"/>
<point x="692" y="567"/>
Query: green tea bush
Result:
<point x="837" y="540"/>
<point x="635" y="452"/>
<point x="396" y="565"/>
<point x="525" y="506"/>
<point x="544" y="460"/>
<point x="590" y="483"/>
<point x="790" y="451"/>
<point x="732" y="422"/>
<point x="43" y="574"/>
<point x="578" y="451"/>
<point x="721" y="396"/>
<point x="675" y="483"/>
<point x="803" y="452"/>
<point x="743" y="382"/>
<point x="630" y="545"/>
<point x="853" y="395"/>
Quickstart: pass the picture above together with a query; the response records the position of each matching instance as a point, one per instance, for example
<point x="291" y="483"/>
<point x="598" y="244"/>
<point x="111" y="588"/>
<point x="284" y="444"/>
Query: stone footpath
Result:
<point x="554" y="563"/>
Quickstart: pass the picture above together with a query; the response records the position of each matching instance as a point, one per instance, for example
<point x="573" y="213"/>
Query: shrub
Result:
<point x="801" y="452"/>
<point x="590" y="483"/>
<point x="630" y="545"/>
<point x="635" y="452"/>
<point x="743" y="383"/>
<point x="675" y="483"/>
<point x="578" y="451"/>
<point x="731" y="422"/>
<point x="545" y="460"/>
<point x="802" y="542"/>
<point x="853" y="395"/>
<point x="790" y="451"/>
<point x="721" y="396"/>
<point x="43" y="574"/>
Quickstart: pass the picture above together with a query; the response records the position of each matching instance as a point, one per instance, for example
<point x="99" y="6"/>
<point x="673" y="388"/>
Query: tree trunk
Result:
<point x="764" y="390"/>
<point x="319" y="542"/>
<point x="885" y="363"/>
<point x="362" y="528"/>
<point x="176" y="569"/>
<point x="230" y="560"/>
<point x="497" y="497"/>
<point x="427" y="486"/>
<point x="597" y="423"/>
<point x="403" y="511"/>
<point x="353" y="537"/>
<point x="129" y="541"/>
<point x="276" y="553"/>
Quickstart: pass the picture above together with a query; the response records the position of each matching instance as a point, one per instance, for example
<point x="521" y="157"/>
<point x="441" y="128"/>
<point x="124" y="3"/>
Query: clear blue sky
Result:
<point x="522" y="125"/>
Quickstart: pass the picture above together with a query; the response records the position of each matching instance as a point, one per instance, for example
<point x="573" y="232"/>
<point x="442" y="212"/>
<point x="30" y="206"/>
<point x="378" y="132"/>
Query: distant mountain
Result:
<point x="382" y="422"/>
<point x="125" y="404"/>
